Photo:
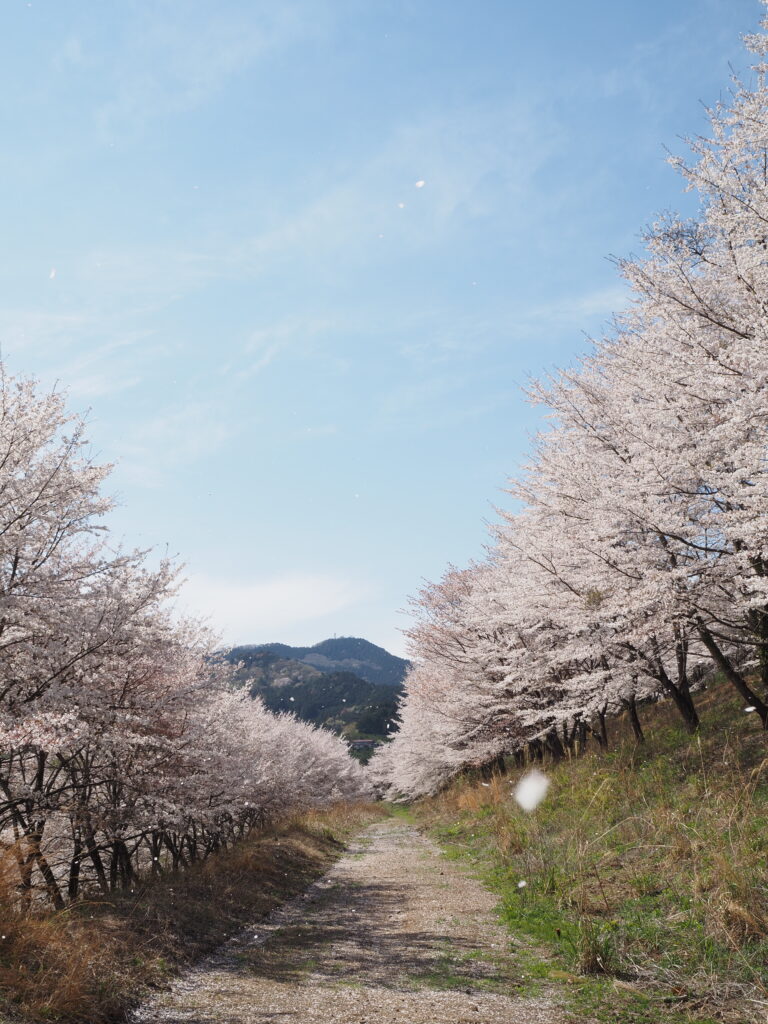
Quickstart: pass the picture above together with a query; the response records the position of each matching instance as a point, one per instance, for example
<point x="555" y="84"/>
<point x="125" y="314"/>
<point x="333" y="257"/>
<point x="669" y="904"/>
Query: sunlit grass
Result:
<point x="646" y="867"/>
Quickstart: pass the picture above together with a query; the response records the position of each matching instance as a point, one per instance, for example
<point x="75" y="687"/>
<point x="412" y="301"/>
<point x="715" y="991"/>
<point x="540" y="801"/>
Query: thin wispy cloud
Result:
<point x="575" y="311"/>
<point x="282" y="605"/>
<point x="22" y="329"/>
<point x="473" y="159"/>
<point x="293" y="335"/>
<point x="297" y="256"/>
<point x="155" y="448"/>
<point x="76" y="357"/>
<point x="168" y="64"/>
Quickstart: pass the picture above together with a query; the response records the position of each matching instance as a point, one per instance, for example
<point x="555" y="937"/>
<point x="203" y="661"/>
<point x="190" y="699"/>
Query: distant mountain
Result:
<point x="318" y="685"/>
<point x="342" y="654"/>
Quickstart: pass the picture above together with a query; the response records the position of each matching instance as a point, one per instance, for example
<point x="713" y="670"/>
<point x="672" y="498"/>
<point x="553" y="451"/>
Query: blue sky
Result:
<point x="297" y="258"/>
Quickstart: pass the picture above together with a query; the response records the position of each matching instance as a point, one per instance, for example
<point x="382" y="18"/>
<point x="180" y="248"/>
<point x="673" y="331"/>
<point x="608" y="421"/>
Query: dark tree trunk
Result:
<point x="734" y="677"/>
<point x="681" y="697"/>
<point x="554" y="745"/>
<point x="603" y="727"/>
<point x="583" y="736"/>
<point x="113" y="868"/>
<point x="176" y="848"/>
<point x="634" y="719"/>
<point x="496" y="766"/>
<point x="154" y="852"/>
<point x="601" y="733"/>
<point x="51" y="885"/>
<point x="122" y="861"/>
<point x="73" y="883"/>
<point x="535" y="750"/>
<point x="98" y="864"/>
<point x="567" y="737"/>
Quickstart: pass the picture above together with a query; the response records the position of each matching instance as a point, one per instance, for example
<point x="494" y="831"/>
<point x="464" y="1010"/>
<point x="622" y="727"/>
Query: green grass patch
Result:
<point x="643" y="877"/>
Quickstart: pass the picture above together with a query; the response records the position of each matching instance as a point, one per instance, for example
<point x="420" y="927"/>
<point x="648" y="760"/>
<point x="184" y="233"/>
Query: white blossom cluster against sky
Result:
<point x="298" y="257"/>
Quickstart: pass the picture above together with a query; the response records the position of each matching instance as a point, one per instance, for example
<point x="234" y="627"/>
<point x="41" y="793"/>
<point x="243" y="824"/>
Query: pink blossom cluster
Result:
<point x="636" y="563"/>
<point x="123" y="745"/>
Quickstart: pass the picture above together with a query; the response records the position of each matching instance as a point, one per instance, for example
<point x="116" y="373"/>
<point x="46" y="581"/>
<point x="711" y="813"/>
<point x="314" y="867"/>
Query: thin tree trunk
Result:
<point x="602" y="736"/>
<point x="554" y="745"/>
<point x="681" y="696"/>
<point x="98" y="864"/>
<point x="51" y="885"/>
<point x="73" y="883"/>
<point x="583" y="737"/>
<point x="630" y="704"/>
<point x="735" y="678"/>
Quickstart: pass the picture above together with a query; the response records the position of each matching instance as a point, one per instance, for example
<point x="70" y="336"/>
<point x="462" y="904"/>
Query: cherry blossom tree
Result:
<point x="639" y="561"/>
<point x="123" y="748"/>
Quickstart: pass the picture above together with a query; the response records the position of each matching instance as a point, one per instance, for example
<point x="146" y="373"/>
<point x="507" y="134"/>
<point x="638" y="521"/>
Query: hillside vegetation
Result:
<point x="345" y="684"/>
<point x="633" y="566"/>
<point x="92" y="964"/>
<point x="344" y="654"/>
<point x="628" y="582"/>
<point x="644" y="872"/>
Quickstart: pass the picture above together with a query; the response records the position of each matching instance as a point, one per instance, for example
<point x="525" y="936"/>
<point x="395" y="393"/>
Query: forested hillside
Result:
<point x="339" y="654"/>
<point x="308" y="682"/>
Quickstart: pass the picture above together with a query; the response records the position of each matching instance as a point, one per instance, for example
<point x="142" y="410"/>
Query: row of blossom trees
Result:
<point x="637" y="562"/>
<point x="123" y="747"/>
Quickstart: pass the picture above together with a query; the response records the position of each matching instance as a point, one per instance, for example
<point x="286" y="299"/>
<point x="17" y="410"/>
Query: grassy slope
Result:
<point x="91" y="962"/>
<point x="646" y="868"/>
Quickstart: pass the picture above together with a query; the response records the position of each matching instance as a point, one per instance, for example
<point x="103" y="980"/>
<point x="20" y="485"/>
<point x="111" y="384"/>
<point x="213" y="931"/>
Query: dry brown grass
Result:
<point x="343" y="819"/>
<point x="653" y="860"/>
<point x="91" y="962"/>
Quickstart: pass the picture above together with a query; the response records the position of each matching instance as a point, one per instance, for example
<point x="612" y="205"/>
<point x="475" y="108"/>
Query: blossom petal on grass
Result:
<point x="531" y="790"/>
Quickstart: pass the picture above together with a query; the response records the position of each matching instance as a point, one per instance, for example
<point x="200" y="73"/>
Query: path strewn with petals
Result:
<point x="393" y="933"/>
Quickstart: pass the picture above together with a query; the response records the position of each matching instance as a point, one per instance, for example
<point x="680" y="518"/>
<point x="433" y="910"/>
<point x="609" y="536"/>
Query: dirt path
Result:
<point x="393" y="933"/>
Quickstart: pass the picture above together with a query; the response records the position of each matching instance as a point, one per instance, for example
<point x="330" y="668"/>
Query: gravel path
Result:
<point x="393" y="933"/>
